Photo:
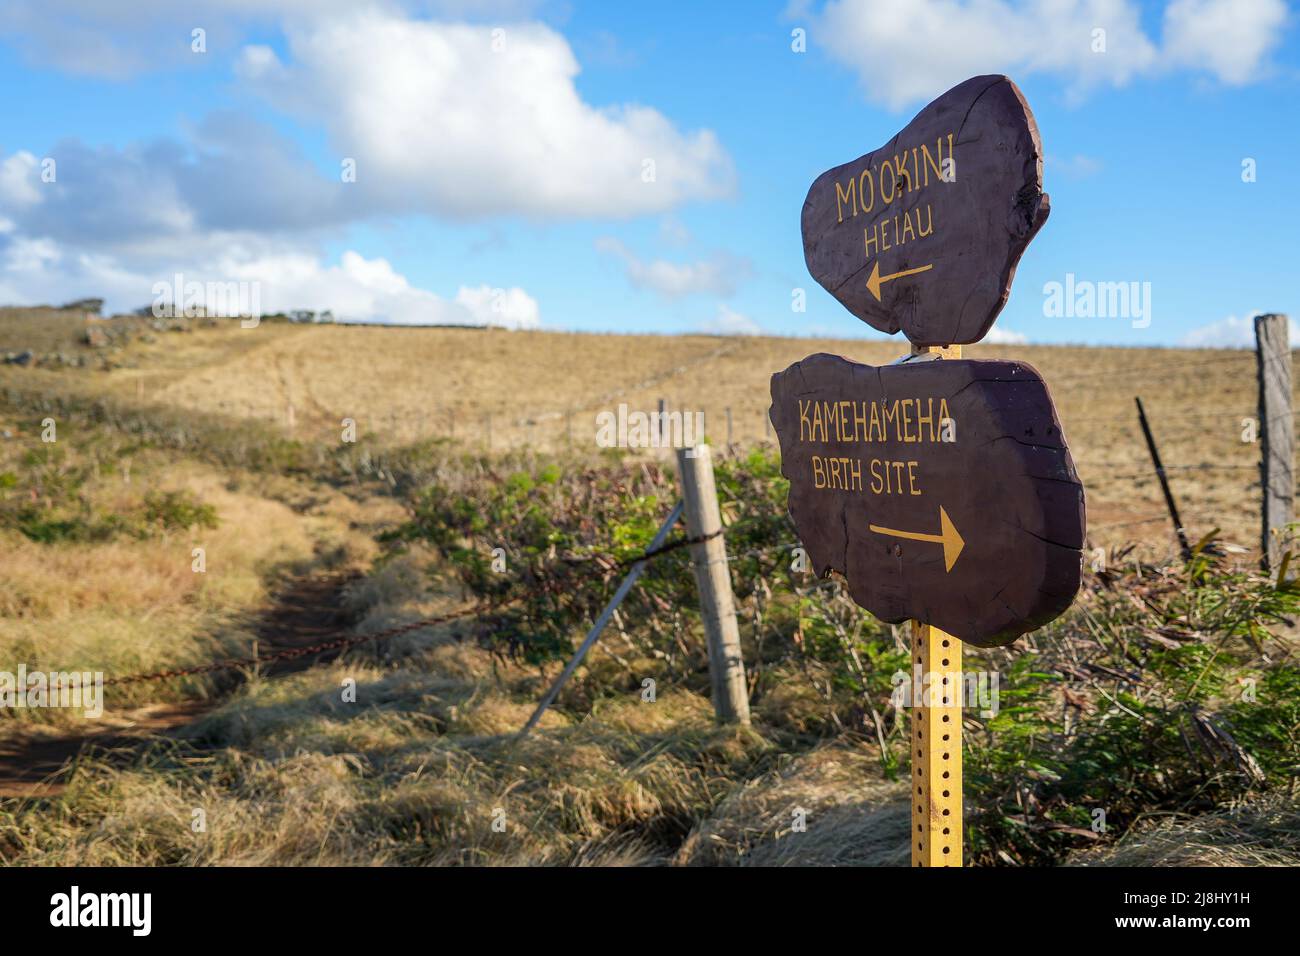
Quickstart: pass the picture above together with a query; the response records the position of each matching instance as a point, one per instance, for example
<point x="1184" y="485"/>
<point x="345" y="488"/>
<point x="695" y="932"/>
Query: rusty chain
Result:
<point x="344" y="642"/>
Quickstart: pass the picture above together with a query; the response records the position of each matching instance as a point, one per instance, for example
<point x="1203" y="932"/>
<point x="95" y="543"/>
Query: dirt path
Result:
<point x="34" y="762"/>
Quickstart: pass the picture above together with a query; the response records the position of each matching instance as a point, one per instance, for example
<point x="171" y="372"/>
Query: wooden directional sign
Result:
<point x="942" y="490"/>
<point x="924" y="233"/>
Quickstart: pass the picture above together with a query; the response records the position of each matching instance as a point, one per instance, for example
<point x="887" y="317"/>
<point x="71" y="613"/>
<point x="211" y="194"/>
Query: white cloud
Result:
<point x="354" y="289"/>
<point x="999" y="335"/>
<point x="369" y="290"/>
<point x="512" y="308"/>
<point x="1230" y="332"/>
<point x="452" y="120"/>
<point x="909" y="53"/>
<point x="673" y="231"/>
<point x="445" y="119"/>
<point x="1077" y="166"/>
<point x="259" y="64"/>
<point x="729" y="322"/>
<point x="438" y="122"/>
<point x="121" y="40"/>
<point x="19" y="179"/>
<point x="105" y="194"/>
<point x="26" y="257"/>
<point x="716" y="275"/>
<point x="1229" y="37"/>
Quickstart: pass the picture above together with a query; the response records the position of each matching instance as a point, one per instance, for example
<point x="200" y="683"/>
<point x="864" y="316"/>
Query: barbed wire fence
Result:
<point x="1152" y="376"/>
<point x="343" y="641"/>
<point x="724" y="429"/>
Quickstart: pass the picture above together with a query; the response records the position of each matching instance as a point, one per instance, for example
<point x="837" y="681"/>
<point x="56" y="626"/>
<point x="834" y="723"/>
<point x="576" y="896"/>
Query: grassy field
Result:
<point x="185" y="434"/>
<point x="543" y="390"/>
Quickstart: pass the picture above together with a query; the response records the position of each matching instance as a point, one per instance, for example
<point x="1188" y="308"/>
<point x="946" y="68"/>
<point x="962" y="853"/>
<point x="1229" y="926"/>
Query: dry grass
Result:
<point x="416" y="770"/>
<point x="419" y="767"/>
<point x="40" y="329"/>
<point x="410" y="383"/>
<point x="404" y="384"/>
<point x="421" y="764"/>
<point x="1262" y="832"/>
<point x="130" y="605"/>
<point x="852" y="816"/>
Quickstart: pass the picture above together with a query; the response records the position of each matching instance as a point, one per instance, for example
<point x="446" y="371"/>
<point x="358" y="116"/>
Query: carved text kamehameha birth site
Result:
<point x="940" y="487"/>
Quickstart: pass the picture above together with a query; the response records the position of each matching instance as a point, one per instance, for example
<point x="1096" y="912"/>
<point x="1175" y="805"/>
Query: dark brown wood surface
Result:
<point x="901" y="246"/>
<point x="980" y="535"/>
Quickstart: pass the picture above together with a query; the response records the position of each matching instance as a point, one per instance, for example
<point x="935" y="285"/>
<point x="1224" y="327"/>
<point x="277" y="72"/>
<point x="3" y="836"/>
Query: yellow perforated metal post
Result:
<point x="936" y="748"/>
<point x="936" y="733"/>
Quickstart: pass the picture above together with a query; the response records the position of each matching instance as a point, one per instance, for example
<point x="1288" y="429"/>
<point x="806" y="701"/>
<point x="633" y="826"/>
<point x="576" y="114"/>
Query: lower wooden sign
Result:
<point x="942" y="490"/>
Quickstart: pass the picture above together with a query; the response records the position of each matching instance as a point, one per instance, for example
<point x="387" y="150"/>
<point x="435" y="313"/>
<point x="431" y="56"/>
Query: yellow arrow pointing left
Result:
<point x="952" y="542"/>
<point x="876" y="280"/>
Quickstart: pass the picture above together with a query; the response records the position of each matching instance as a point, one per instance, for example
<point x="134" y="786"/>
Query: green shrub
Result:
<point x="1176" y="702"/>
<point x="177" y="511"/>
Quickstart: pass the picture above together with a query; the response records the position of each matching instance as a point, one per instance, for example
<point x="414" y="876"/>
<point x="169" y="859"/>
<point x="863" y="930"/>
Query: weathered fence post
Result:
<point x="1184" y="548"/>
<point x="713" y="579"/>
<point x="661" y="428"/>
<point x="1277" y="456"/>
<point x="632" y="577"/>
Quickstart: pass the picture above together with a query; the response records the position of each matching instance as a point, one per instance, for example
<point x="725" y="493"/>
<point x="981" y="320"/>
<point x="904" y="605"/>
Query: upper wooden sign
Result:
<point x="942" y="490"/>
<point x="924" y="234"/>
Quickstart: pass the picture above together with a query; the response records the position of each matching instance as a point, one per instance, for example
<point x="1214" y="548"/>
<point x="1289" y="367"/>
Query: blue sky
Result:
<point x="499" y="151"/>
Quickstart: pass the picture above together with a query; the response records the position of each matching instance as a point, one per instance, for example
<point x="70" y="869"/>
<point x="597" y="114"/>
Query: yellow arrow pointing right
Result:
<point x="952" y="541"/>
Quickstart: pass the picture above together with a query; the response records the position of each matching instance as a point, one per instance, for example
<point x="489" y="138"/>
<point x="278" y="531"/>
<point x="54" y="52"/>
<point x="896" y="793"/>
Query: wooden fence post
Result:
<point x="1277" y="428"/>
<point x="1184" y="548"/>
<point x="661" y="428"/>
<point x="713" y="579"/>
<point x="632" y="577"/>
